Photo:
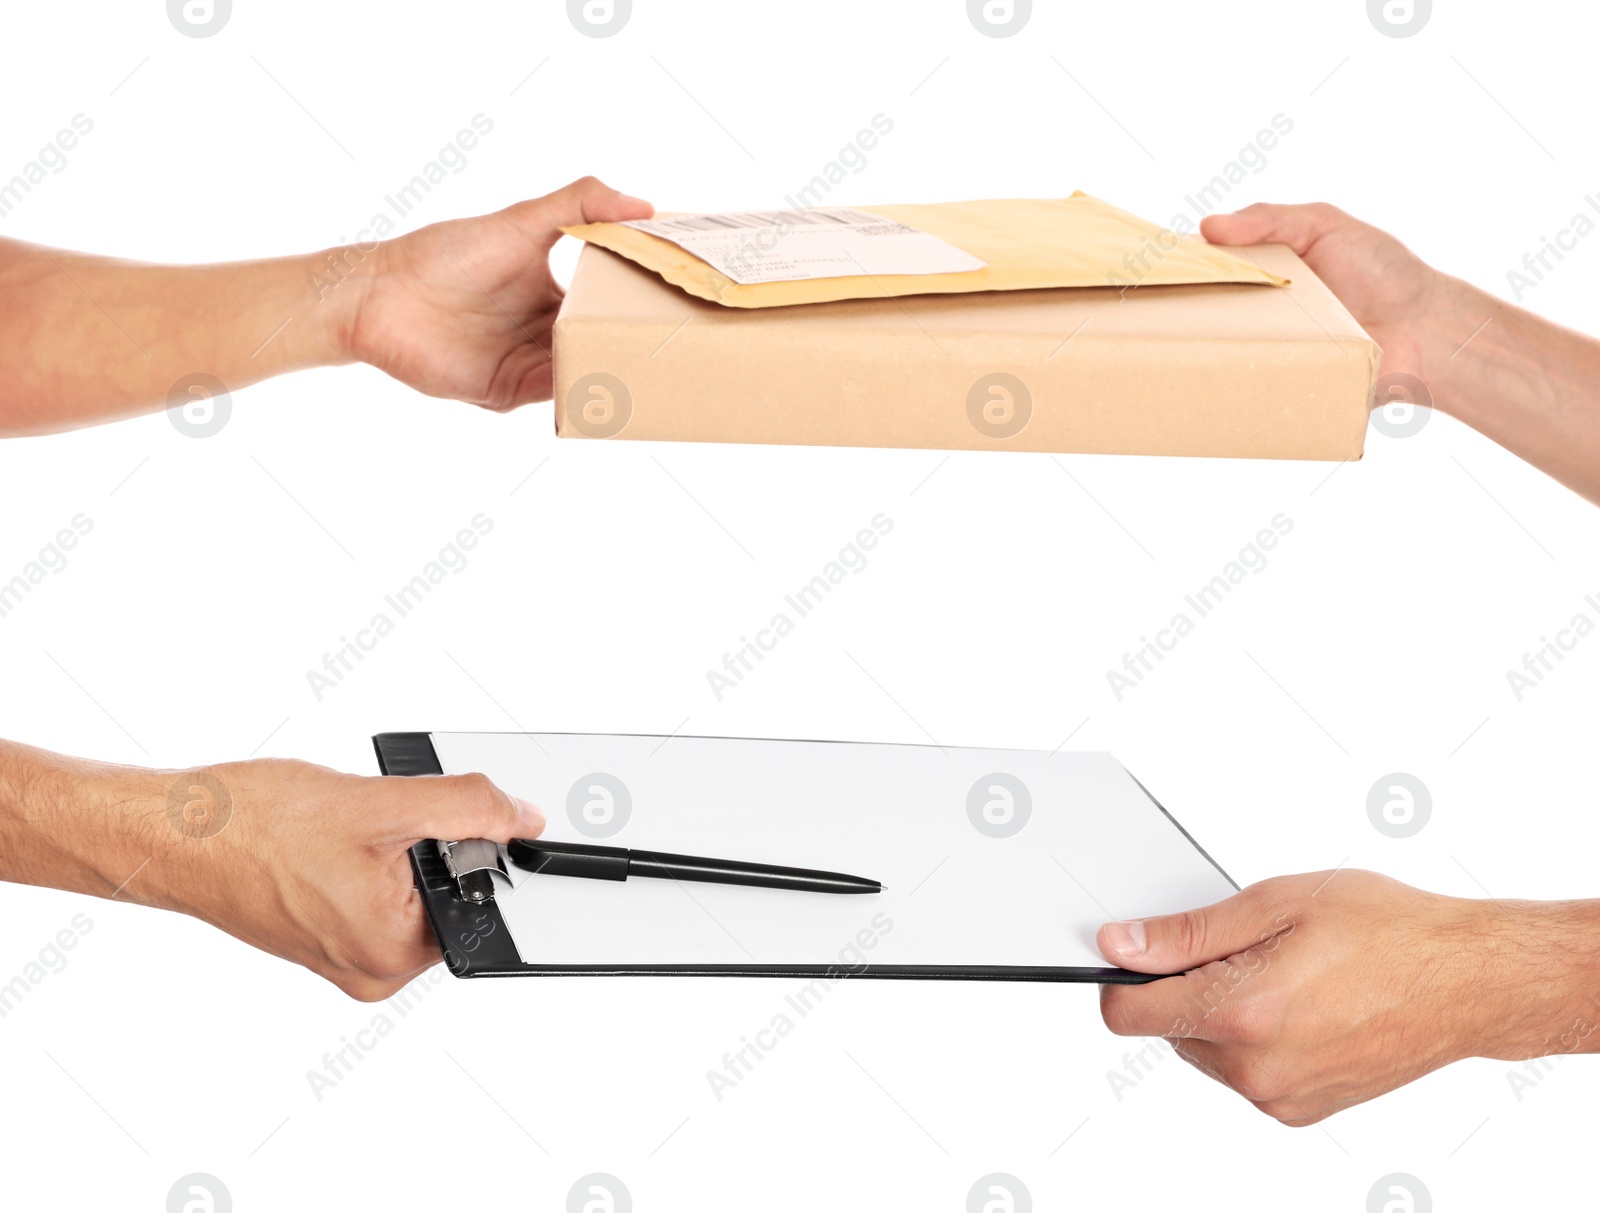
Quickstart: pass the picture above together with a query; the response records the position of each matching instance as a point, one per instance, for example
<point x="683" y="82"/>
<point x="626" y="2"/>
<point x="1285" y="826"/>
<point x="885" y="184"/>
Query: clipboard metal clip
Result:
<point x="472" y="862"/>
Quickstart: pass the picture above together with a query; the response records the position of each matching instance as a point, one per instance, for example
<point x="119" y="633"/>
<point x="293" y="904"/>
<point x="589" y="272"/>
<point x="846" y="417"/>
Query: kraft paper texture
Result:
<point x="1029" y="243"/>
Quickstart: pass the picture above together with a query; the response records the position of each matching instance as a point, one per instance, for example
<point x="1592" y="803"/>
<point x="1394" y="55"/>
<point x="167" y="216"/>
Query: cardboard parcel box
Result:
<point x="1250" y="368"/>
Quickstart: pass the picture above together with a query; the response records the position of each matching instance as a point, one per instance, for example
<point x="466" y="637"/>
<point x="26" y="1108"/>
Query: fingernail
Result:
<point x="1126" y="938"/>
<point x="532" y="819"/>
<point x="631" y="198"/>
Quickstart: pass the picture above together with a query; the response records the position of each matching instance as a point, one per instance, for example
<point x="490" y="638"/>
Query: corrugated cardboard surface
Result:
<point x="1215" y="370"/>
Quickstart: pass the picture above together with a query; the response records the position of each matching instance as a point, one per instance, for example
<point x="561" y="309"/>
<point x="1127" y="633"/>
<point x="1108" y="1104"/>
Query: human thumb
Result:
<point x="468" y="806"/>
<point x="1176" y="943"/>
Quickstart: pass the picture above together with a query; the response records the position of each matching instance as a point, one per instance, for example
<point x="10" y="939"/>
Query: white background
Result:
<point x="183" y="628"/>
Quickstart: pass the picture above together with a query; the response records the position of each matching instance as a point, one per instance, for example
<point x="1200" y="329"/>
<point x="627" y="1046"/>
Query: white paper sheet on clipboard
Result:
<point x="989" y="857"/>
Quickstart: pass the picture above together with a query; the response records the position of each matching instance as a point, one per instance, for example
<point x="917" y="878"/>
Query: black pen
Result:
<point x="618" y="863"/>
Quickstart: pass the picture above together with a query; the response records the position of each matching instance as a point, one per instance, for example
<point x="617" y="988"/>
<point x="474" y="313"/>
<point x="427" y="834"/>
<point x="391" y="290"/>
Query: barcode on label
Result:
<point x="749" y="219"/>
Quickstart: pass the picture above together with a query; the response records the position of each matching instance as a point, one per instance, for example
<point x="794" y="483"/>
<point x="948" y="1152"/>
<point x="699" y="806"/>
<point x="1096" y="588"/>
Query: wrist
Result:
<point x="338" y="281"/>
<point x="174" y="830"/>
<point x="1458" y="318"/>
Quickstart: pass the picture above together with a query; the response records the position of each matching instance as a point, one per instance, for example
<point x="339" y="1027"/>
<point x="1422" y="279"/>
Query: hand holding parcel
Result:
<point x="1526" y="382"/>
<point x="460" y="310"/>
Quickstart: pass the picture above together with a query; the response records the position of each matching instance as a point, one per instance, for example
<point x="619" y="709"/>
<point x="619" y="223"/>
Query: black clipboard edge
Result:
<point x="1063" y="974"/>
<point x="475" y="941"/>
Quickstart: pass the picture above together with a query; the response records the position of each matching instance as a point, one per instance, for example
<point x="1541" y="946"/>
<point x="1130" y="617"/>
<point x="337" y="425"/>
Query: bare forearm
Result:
<point x="1528" y="383"/>
<point x="1551" y="988"/>
<point x="86" y="339"/>
<point x="68" y="823"/>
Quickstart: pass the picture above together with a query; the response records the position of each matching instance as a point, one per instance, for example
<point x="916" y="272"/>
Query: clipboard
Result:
<point x="478" y="938"/>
